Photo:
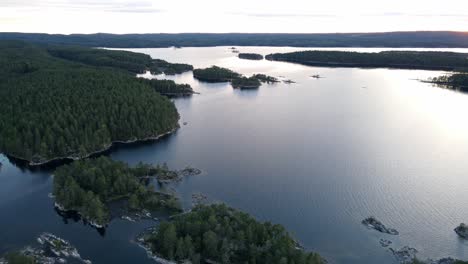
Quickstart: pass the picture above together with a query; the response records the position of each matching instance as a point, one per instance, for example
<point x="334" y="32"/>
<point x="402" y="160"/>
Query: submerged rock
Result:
<point x="405" y="255"/>
<point x="462" y="231"/>
<point x="385" y="242"/>
<point x="372" y="222"/>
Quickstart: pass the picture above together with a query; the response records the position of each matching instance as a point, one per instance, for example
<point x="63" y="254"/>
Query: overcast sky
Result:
<point x="175" y="16"/>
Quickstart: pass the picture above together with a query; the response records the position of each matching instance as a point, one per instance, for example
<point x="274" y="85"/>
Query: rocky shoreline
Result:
<point x="51" y="249"/>
<point x="106" y="148"/>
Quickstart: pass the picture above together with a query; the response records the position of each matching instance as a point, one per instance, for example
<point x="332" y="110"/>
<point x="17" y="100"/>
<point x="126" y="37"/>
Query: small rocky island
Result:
<point x="220" y="234"/>
<point x="51" y="249"/>
<point x="90" y="186"/>
<point x="462" y="230"/>
<point x="373" y="223"/>
<point x="250" y="56"/>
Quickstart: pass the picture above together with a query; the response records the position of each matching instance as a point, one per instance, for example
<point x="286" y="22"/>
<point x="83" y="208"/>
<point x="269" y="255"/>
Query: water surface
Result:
<point x="317" y="156"/>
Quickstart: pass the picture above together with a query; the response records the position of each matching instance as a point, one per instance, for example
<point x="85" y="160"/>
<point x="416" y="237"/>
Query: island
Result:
<point x="250" y="56"/>
<point x="462" y="230"/>
<point x="373" y="223"/>
<point x="424" y="60"/>
<point x="219" y="74"/>
<point x="265" y="78"/>
<point x="89" y="186"/>
<point x="246" y="82"/>
<point x="456" y="81"/>
<point x="215" y="74"/>
<point x="220" y="234"/>
<point x="70" y="103"/>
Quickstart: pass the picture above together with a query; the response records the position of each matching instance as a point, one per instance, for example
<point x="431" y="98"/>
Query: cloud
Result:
<point x="283" y="15"/>
<point x="84" y="5"/>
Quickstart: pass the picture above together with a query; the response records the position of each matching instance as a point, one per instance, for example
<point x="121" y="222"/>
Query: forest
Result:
<point x="218" y="74"/>
<point x="126" y="60"/>
<point x="425" y="60"/>
<point x="250" y="56"/>
<point x="54" y="108"/>
<point x="219" y="234"/>
<point x="456" y="81"/>
<point x="442" y="39"/>
<point x="88" y="186"/>
<point x="215" y="74"/>
<point x="246" y="82"/>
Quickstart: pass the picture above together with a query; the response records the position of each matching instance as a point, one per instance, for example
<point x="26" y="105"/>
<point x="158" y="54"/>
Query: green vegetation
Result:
<point x="18" y="258"/>
<point x="88" y="186"/>
<point x="53" y="108"/>
<point x="221" y="234"/>
<point x="390" y="59"/>
<point x="457" y="81"/>
<point x="218" y="74"/>
<point x="246" y="82"/>
<point x="215" y="74"/>
<point x="265" y="78"/>
<point x="126" y="60"/>
<point x="384" y="39"/>
<point x="168" y="87"/>
<point x="250" y="56"/>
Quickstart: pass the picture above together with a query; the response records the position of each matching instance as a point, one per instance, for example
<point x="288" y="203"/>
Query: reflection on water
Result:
<point x="317" y="156"/>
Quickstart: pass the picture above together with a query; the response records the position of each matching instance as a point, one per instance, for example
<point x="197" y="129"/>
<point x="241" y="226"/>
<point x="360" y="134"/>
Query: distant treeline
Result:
<point x="388" y="59"/>
<point x="389" y="39"/>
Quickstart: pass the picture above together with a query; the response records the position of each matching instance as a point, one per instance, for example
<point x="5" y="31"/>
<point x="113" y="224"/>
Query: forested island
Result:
<point x="54" y="108"/>
<point x="456" y="81"/>
<point x="425" y="60"/>
<point x="89" y="186"/>
<point x="250" y="56"/>
<point x="219" y="234"/>
<point x="215" y="74"/>
<point x="219" y="74"/>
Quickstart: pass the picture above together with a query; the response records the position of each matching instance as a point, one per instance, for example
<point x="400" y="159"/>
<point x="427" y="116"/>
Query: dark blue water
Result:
<point x="317" y="156"/>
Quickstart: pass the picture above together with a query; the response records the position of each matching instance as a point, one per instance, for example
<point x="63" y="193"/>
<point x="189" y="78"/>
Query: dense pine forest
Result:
<point x="389" y="59"/>
<point x="126" y="60"/>
<point x="88" y="186"/>
<point x="219" y="74"/>
<point x="219" y="234"/>
<point x="456" y="81"/>
<point x="432" y="39"/>
<point x="250" y="56"/>
<point x="52" y="108"/>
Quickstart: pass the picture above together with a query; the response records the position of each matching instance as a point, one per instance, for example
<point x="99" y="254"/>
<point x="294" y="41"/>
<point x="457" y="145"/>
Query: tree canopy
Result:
<point x="55" y="108"/>
<point x="391" y="59"/>
<point x="221" y="234"/>
<point x="87" y="186"/>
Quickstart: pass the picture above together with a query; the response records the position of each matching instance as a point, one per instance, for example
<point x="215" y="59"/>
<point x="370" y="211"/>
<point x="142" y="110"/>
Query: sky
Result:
<point x="221" y="16"/>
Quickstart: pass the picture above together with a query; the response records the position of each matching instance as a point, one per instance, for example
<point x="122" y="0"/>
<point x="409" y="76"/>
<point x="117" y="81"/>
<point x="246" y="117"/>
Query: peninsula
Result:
<point x="424" y="60"/>
<point x="69" y="103"/>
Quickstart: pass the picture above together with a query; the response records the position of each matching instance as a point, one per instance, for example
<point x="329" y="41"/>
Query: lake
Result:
<point x="316" y="156"/>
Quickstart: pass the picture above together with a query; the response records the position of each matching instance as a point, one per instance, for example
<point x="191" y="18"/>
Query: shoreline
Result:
<point x="106" y="148"/>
